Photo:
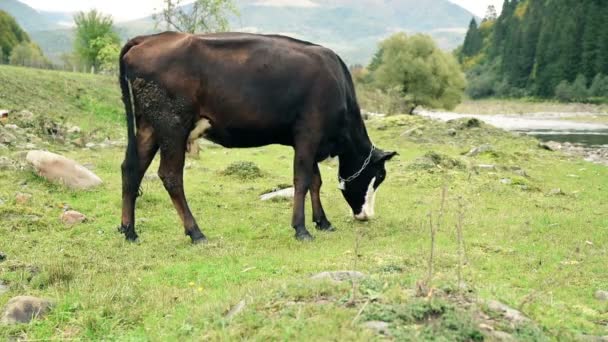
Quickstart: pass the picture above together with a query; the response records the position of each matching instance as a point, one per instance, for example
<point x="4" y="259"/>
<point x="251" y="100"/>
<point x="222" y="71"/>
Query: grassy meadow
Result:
<point x="526" y="244"/>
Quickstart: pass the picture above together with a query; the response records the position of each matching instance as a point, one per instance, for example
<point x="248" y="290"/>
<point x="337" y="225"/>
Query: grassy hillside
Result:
<point x="90" y="101"/>
<point x="536" y="249"/>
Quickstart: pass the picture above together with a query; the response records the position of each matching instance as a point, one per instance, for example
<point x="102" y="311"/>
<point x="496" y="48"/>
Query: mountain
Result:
<point x="33" y="20"/>
<point x="352" y="28"/>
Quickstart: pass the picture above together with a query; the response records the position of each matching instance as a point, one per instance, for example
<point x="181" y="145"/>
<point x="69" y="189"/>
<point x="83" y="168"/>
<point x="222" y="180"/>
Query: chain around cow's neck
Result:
<point x="358" y="173"/>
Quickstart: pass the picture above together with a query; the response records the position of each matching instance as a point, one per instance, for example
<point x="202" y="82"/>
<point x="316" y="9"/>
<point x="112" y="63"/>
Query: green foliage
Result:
<point x="473" y="41"/>
<point x="94" y="31"/>
<point x="11" y="35"/>
<point x="538" y="44"/>
<point x="418" y="69"/>
<point x="201" y="16"/>
<point x="30" y="55"/>
<point x="576" y="91"/>
<point x="243" y="170"/>
<point x="599" y="86"/>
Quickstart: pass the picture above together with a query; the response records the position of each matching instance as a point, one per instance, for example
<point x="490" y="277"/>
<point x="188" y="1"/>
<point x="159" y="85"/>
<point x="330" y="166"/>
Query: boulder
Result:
<point x="23" y="309"/>
<point x="339" y="276"/>
<point x="71" y="218"/>
<point x="514" y="316"/>
<point x="379" y="327"/>
<point x="3" y="288"/>
<point x="59" y="169"/>
<point x="277" y="195"/>
<point x="479" y="150"/>
<point x="23" y="199"/>
<point x="601" y="295"/>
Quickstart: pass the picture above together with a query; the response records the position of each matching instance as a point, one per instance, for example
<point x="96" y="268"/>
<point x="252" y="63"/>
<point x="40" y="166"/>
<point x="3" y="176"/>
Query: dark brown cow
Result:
<point x="244" y="90"/>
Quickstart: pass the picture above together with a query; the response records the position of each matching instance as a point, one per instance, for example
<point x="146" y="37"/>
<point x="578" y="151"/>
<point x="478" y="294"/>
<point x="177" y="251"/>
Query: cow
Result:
<point x="244" y="90"/>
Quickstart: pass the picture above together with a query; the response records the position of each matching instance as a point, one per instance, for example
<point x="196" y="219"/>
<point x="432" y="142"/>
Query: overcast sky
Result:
<point x="134" y="9"/>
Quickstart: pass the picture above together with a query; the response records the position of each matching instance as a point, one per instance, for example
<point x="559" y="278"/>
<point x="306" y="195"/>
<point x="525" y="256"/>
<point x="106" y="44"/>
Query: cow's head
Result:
<point x="360" y="192"/>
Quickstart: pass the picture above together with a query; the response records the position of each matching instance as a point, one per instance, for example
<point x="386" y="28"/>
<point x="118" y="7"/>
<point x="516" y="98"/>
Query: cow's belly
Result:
<point x="233" y="137"/>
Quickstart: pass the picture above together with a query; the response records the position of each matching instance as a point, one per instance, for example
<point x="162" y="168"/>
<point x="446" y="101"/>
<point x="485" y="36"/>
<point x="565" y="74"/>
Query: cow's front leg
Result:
<point x="303" y="173"/>
<point x="318" y="214"/>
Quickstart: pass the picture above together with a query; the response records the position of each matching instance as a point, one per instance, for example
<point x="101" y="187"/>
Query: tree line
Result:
<point x="543" y="48"/>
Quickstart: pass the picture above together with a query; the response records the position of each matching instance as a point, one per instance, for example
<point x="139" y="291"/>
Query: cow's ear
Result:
<point x="383" y="156"/>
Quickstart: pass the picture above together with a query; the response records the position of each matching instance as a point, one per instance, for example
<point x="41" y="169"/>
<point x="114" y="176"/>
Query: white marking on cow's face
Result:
<point x="367" y="211"/>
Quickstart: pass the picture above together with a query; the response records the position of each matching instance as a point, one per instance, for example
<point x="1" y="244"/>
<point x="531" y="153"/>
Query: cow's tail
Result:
<point x="131" y="163"/>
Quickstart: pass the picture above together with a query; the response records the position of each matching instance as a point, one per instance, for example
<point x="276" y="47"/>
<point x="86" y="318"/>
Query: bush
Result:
<point x="243" y="170"/>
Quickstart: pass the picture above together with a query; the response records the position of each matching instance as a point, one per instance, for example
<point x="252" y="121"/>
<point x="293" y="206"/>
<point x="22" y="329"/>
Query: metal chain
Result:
<point x="358" y="173"/>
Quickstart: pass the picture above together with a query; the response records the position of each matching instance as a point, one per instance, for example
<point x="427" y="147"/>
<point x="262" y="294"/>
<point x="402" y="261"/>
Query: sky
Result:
<point x="133" y="9"/>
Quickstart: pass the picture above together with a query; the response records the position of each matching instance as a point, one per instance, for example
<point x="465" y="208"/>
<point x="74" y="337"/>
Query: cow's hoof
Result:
<point x="304" y="236"/>
<point x="325" y="226"/>
<point x="129" y="232"/>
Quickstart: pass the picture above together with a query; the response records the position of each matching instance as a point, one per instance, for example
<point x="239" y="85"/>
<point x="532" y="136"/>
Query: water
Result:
<point x="544" y="126"/>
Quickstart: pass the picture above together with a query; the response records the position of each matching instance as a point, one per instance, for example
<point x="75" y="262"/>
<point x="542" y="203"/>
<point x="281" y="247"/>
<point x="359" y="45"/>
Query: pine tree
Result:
<point x="591" y="42"/>
<point x="473" y="41"/>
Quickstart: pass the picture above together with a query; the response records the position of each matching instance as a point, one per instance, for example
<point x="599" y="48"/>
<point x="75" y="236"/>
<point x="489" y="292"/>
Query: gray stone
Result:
<point x="71" y="218"/>
<point x="339" y="276"/>
<point x="7" y="138"/>
<point x="509" y="313"/>
<point x="486" y="167"/>
<point x="3" y="288"/>
<point x="74" y="130"/>
<point x="479" y="150"/>
<point x="506" y="181"/>
<point x="59" y="169"/>
<point x="601" y="295"/>
<point x="556" y="192"/>
<point x="6" y="164"/>
<point x="237" y="309"/>
<point x="502" y="336"/>
<point x="379" y="327"/>
<point x="280" y="194"/>
<point x="24" y="309"/>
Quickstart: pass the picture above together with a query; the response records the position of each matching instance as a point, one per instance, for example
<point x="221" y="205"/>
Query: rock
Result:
<point x="7" y="138"/>
<point x="551" y="146"/>
<point x="23" y="199"/>
<point x="24" y="115"/>
<point x="601" y="295"/>
<point x="339" y="276"/>
<point x="506" y="181"/>
<point x="56" y="168"/>
<point x="556" y="192"/>
<point x="11" y="127"/>
<point x="479" y="150"/>
<point x="3" y="288"/>
<point x="89" y="145"/>
<point x="486" y="167"/>
<point x="379" y="327"/>
<point x="74" y="130"/>
<point x="237" y="309"/>
<point x="280" y="194"/>
<point x="6" y="164"/>
<point x="71" y="218"/>
<point x="452" y="132"/>
<point x="516" y="317"/>
<point x="502" y="336"/>
<point x="590" y="338"/>
<point x="521" y="172"/>
<point x="23" y="309"/>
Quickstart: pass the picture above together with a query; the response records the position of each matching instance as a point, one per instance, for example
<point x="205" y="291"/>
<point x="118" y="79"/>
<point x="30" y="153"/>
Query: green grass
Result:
<point x="545" y="255"/>
<point x="89" y="101"/>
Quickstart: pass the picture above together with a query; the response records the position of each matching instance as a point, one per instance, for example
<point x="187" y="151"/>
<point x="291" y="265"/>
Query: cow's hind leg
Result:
<point x="146" y="150"/>
<point x="171" y="171"/>
<point x="318" y="214"/>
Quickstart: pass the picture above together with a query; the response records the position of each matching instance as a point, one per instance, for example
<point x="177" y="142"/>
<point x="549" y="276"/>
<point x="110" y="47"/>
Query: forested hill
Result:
<point x="11" y="35"/>
<point x="539" y="47"/>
